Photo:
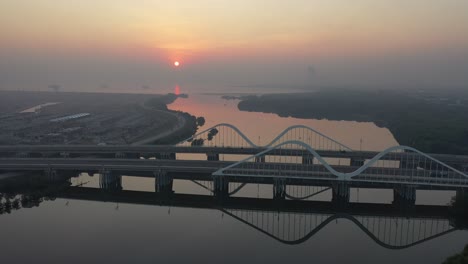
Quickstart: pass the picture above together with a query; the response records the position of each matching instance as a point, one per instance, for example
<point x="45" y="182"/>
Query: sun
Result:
<point x="176" y="63"/>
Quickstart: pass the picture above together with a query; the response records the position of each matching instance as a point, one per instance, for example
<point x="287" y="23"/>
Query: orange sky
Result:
<point x="183" y="28"/>
<point x="197" y="32"/>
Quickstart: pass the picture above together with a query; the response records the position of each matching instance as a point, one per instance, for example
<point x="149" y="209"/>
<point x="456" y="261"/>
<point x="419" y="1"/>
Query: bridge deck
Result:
<point x="203" y="170"/>
<point x="6" y="151"/>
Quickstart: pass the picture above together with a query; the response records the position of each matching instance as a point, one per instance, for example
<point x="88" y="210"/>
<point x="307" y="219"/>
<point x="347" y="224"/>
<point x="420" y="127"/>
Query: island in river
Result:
<point x="431" y="122"/>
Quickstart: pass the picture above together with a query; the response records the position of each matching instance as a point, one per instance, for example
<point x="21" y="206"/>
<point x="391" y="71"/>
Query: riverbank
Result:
<point x="433" y="124"/>
<point x="90" y="118"/>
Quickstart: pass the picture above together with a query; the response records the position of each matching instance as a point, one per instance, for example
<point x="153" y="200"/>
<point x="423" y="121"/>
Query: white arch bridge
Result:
<point x="401" y="166"/>
<point x="297" y="156"/>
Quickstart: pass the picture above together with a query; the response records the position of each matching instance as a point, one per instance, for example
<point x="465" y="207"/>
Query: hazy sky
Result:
<point x="85" y="44"/>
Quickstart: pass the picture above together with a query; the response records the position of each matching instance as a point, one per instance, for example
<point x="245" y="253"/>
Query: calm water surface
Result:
<point x="77" y="231"/>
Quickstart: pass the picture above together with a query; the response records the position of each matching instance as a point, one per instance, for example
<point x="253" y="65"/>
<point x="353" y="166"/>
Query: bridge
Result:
<point x="297" y="156"/>
<point x="218" y="140"/>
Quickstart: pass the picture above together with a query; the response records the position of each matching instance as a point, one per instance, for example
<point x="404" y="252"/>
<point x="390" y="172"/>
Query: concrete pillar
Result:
<point x="459" y="209"/>
<point x="47" y="154"/>
<point x="167" y="156"/>
<point x="212" y="156"/>
<point x="308" y="160"/>
<point x="356" y="162"/>
<point x="22" y="155"/>
<point x="461" y="195"/>
<point x="221" y="186"/>
<point x="341" y="193"/>
<point x="120" y="155"/>
<point x="50" y="175"/>
<point x="404" y="195"/>
<point x="163" y="182"/>
<point x="109" y="180"/>
<point x="260" y="159"/>
<point x="464" y="168"/>
<point x="279" y="188"/>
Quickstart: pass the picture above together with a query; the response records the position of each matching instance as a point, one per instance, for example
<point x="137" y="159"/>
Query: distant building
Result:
<point x="70" y="117"/>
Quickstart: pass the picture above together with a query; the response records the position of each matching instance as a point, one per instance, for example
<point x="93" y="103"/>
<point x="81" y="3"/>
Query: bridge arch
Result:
<point x="233" y="138"/>
<point x="321" y="139"/>
<point x="411" y="166"/>
<point x="228" y="135"/>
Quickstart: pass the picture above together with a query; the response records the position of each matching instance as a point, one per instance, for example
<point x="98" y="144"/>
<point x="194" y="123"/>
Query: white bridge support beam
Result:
<point x="220" y="186"/>
<point x="163" y="182"/>
<point x="404" y="195"/>
<point x="279" y="188"/>
<point x="109" y="180"/>
<point x="341" y="193"/>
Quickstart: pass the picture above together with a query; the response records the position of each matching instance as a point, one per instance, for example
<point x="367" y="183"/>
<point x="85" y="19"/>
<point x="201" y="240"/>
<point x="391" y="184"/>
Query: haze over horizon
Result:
<point x="88" y="45"/>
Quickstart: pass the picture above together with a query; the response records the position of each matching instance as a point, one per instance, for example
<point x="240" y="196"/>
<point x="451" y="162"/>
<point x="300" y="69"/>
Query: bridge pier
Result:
<point x="46" y="154"/>
<point x="459" y="207"/>
<point x="163" y="182"/>
<point x="220" y="186"/>
<point x="461" y="195"/>
<point x="212" y="156"/>
<point x="279" y="189"/>
<point x="167" y="156"/>
<point x="308" y="160"/>
<point x="109" y="180"/>
<point x="404" y="195"/>
<point x="356" y="162"/>
<point x="341" y="193"/>
<point x="50" y="174"/>
<point x="464" y="168"/>
<point x="260" y="159"/>
<point x="120" y="155"/>
<point x="22" y="155"/>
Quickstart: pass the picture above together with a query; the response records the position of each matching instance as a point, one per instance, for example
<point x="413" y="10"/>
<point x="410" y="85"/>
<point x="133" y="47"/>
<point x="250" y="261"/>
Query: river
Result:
<point x="111" y="232"/>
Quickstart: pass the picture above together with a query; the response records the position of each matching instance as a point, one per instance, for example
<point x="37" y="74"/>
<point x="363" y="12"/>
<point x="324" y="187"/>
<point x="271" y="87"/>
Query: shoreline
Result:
<point x="185" y="126"/>
<point x="112" y="118"/>
<point x="181" y="123"/>
<point x="414" y="120"/>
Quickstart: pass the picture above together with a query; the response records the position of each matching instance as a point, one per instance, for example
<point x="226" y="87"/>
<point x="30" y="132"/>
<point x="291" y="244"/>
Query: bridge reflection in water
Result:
<point x="289" y="221"/>
<point x="389" y="232"/>
<point x="294" y="222"/>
